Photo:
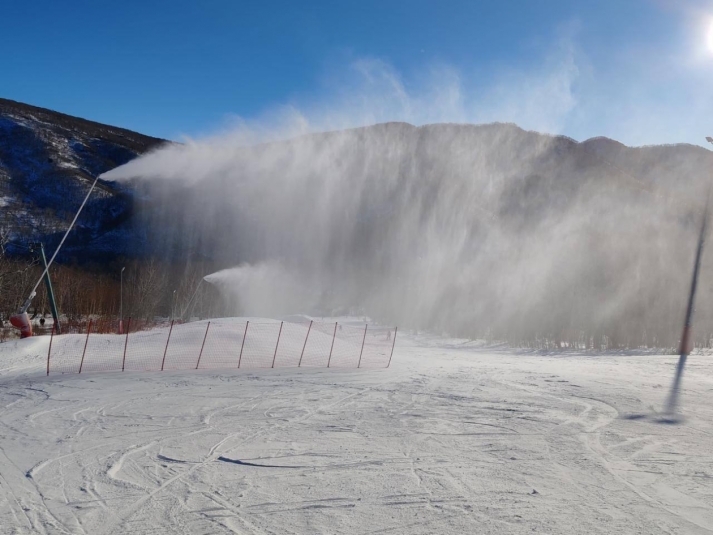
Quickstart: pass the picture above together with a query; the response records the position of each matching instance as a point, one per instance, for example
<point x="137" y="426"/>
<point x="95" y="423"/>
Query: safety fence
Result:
<point x="223" y="343"/>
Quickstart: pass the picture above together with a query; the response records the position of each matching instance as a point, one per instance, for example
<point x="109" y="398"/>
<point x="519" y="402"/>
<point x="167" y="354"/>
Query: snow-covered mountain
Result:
<point x="47" y="162"/>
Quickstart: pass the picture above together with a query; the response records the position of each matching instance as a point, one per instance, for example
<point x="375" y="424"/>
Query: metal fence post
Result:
<point x="49" y="351"/>
<point x="392" y="346"/>
<point x="245" y="335"/>
<point x="332" y="348"/>
<point x="202" y="345"/>
<point x="362" y="345"/>
<point x="167" y="341"/>
<point x="305" y="344"/>
<point x="277" y="345"/>
<point x="86" y="341"/>
<point x="126" y="343"/>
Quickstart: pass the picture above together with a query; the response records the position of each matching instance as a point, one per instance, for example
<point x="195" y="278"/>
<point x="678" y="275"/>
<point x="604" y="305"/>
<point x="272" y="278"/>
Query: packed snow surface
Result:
<point x="453" y="438"/>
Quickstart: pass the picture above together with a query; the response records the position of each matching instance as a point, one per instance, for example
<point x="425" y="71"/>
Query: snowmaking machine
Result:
<point x="21" y="320"/>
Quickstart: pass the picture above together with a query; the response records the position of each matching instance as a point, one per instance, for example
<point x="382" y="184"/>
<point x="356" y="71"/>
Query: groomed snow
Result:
<point x="453" y="438"/>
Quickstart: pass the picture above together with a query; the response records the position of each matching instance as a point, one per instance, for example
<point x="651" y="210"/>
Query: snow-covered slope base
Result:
<point x="450" y="439"/>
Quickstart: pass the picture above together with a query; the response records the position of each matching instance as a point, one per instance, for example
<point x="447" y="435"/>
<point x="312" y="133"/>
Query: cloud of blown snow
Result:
<point x="371" y="91"/>
<point x="468" y="229"/>
<point x="264" y="289"/>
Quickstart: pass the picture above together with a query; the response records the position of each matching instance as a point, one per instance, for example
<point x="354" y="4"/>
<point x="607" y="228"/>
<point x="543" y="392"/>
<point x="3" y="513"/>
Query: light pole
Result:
<point x="121" y="301"/>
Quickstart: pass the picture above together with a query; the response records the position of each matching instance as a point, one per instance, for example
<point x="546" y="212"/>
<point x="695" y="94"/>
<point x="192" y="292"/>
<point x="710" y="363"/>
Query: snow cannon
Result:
<point x="22" y="322"/>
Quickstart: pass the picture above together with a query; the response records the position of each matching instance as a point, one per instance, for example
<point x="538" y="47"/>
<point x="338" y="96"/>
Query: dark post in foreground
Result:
<point x="299" y="364"/>
<point x="126" y="343"/>
<point x="245" y="335"/>
<point x="687" y="336"/>
<point x="163" y="362"/>
<point x="49" y="351"/>
<point x="366" y="326"/>
<point x="277" y="344"/>
<point x="202" y="345"/>
<point x="86" y="341"/>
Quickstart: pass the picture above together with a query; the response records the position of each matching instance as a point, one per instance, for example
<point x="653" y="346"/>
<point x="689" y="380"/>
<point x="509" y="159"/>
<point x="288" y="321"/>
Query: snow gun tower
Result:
<point x="686" y="345"/>
<point x="21" y="320"/>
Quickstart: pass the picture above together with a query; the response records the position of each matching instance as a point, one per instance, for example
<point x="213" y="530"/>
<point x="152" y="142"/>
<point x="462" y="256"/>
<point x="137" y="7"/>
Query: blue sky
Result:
<point x="635" y="70"/>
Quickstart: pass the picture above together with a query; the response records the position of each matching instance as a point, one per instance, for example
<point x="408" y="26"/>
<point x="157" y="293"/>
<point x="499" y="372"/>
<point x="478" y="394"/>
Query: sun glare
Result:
<point x="709" y="37"/>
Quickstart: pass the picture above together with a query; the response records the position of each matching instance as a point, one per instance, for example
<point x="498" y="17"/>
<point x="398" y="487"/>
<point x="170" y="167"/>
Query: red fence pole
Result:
<point x="126" y="343"/>
<point x="202" y="345"/>
<point x="245" y="334"/>
<point x="362" y="345"/>
<point x="305" y="345"/>
<point x="49" y="351"/>
<point x="167" y="341"/>
<point x="277" y="345"/>
<point x="392" y="346"/>
<point x="86" y="341"/>
<point x="331" y="348"/>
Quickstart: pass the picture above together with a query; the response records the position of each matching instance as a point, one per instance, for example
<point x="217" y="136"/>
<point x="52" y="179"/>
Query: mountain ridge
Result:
<point x="47" y="161"/>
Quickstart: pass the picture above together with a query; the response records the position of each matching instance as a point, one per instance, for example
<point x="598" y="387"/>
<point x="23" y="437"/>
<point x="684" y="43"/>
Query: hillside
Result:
<point x="47" y="162"/>
<point x="48" y="158"/>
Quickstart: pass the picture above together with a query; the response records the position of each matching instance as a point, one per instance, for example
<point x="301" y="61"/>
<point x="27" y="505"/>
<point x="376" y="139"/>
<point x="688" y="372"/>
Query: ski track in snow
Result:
<point x="453" y="438"/>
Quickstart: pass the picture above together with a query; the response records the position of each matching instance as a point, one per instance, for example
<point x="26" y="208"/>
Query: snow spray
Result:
<point x="472" y="230"/>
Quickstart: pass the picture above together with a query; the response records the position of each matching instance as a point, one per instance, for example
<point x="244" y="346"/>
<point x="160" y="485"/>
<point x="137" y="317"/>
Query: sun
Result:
<point x="709" y="37"/>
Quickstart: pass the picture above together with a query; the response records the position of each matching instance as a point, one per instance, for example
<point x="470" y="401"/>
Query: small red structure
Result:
<point x="22" y="322"/>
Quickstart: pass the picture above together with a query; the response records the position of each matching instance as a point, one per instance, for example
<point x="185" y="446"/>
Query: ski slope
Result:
<point x="453" y="438"/>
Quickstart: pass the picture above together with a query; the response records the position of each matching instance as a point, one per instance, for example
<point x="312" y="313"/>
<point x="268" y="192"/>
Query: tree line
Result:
<point x="151" y="289"/>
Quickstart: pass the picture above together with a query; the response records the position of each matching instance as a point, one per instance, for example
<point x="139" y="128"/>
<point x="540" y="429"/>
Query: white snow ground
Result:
<point x="453" y="438"/>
